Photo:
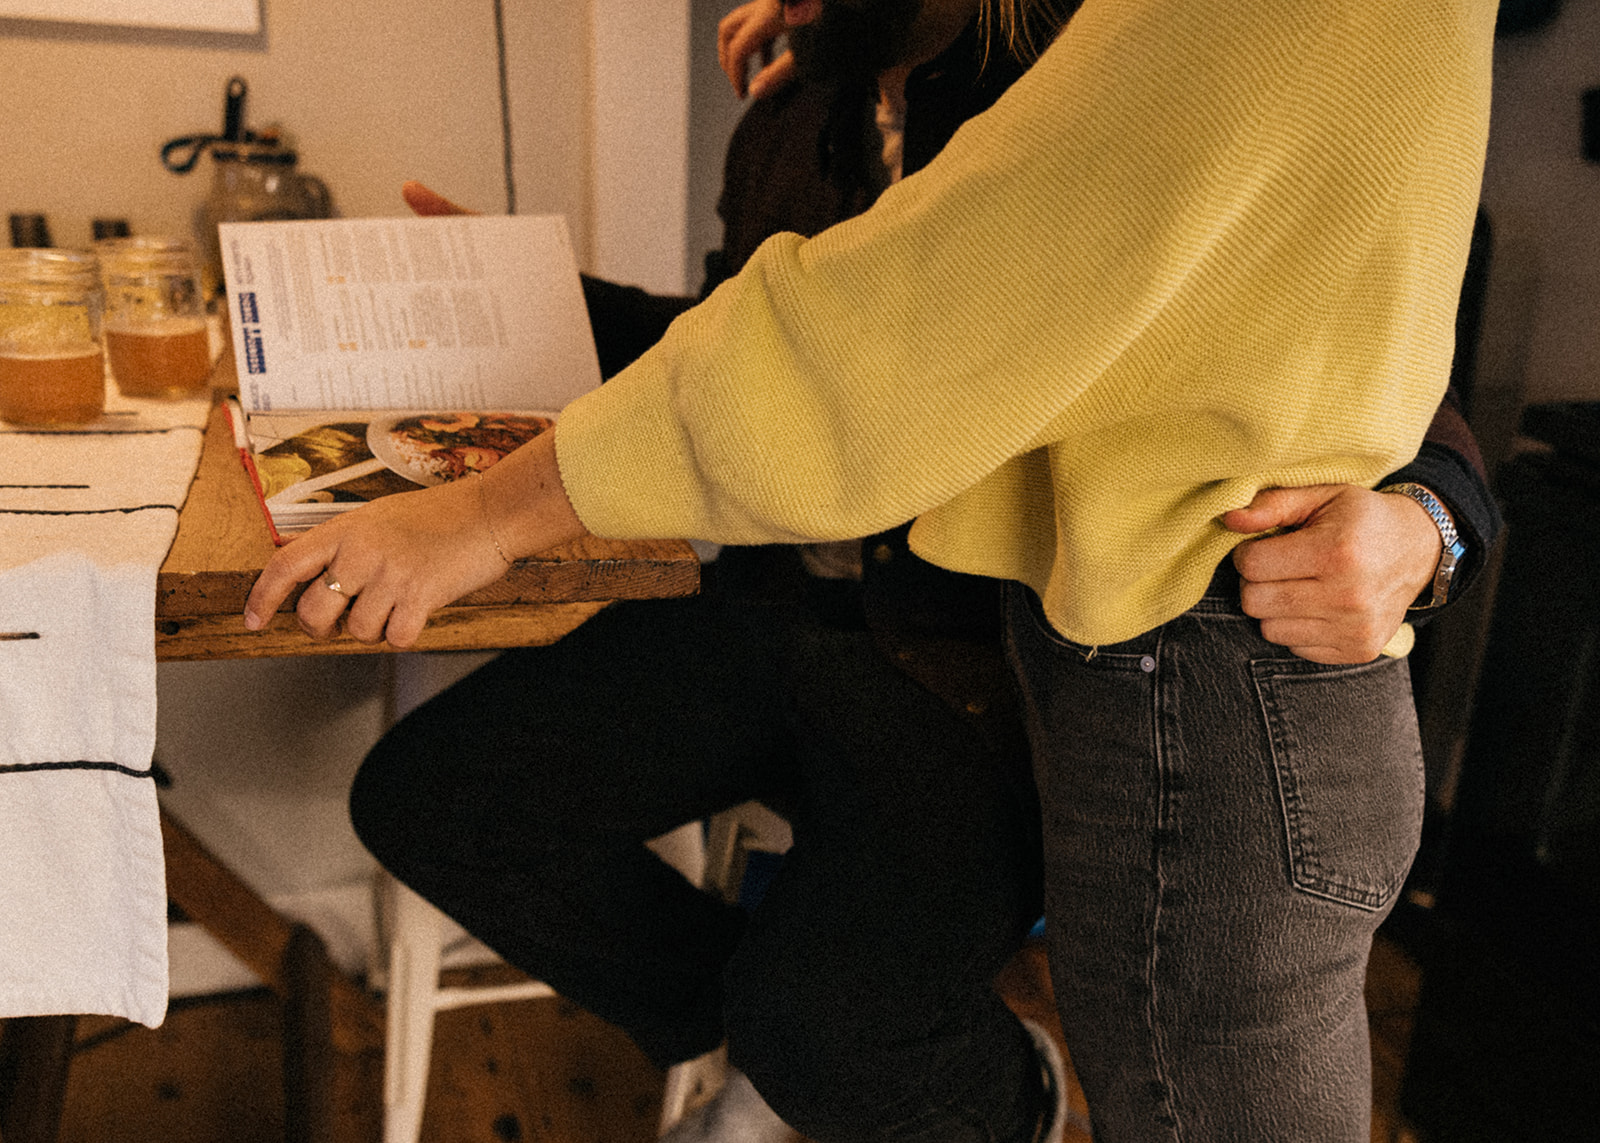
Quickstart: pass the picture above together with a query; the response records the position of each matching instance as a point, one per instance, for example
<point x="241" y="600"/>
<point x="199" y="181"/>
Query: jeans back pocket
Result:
<point x="1350" y="776"/>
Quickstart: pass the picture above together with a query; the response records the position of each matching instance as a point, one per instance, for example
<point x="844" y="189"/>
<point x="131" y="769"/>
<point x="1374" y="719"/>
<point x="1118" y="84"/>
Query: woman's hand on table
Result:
<point x="396" y="561"/>
<point x="1335" y="586"/>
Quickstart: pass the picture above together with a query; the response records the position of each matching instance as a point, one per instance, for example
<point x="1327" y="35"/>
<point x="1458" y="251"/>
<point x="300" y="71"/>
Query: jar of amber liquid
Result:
<point x="52" y="365"/>
<point x="156" y="336"/>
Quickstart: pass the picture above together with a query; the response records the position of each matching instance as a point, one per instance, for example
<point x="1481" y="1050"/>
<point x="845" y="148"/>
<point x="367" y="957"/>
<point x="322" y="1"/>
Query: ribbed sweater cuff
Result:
<point x="610" y="431"/>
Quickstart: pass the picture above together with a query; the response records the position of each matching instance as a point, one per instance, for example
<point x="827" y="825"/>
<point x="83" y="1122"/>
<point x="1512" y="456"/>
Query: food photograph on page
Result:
<point x="433" y="448"/>
<point x="312" y="465"/>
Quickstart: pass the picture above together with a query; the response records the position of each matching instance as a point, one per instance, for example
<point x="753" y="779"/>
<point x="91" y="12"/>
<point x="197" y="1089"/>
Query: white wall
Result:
<point x="370" y="91"/>
<point x="641" y="133"/>
<point x="549" y="48"/>
<point x="1542" y="333"/>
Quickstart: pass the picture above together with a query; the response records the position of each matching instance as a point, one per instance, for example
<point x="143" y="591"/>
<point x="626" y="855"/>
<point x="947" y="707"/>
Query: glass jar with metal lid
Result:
<point x="155" y="325"/>
<point x="52" y="363"/>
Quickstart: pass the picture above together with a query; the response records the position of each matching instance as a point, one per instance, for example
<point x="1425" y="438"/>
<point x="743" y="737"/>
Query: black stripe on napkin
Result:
<point x="84" y="511"/>
<point x="151" y="432"/>
<point x="34" y="767"/>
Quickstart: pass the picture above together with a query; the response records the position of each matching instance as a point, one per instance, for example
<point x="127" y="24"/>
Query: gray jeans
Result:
<point x="1225" y="825"/>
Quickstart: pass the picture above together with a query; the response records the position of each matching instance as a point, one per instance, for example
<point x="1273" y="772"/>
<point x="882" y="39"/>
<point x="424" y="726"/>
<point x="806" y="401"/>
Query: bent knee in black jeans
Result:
<point x="857" y="995"/>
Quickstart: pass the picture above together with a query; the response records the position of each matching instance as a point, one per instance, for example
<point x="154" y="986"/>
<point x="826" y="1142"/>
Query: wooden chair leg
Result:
<point x="308" y="1062"/>
<point x="35" y="1053"/>
<point x="214" y="897"/>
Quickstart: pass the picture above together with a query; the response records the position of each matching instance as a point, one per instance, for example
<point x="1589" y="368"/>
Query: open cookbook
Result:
<point x="384" y="355"/>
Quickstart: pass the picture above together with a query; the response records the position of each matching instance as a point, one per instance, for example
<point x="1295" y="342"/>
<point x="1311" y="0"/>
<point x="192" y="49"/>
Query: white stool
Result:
<point x="711" y="857"/>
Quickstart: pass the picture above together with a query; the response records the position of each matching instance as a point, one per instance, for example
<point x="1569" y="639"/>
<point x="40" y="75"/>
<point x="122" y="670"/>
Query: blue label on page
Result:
<point x="255" y="360"/>
<point x="247" y="308"/>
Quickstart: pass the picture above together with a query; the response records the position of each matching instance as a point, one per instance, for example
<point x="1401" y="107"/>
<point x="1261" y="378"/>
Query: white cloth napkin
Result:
<point x="86" y="517"/>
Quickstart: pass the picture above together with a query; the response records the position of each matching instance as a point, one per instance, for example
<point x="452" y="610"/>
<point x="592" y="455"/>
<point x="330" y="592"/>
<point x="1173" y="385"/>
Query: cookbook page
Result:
<point x="310" y="465"/>
<point x="407" y="313"/>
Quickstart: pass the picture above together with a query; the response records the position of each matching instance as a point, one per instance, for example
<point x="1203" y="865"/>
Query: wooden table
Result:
<point x="221" y="545"/>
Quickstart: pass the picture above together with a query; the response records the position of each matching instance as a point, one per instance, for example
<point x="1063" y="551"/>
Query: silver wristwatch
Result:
<point x="1452" y="550"/>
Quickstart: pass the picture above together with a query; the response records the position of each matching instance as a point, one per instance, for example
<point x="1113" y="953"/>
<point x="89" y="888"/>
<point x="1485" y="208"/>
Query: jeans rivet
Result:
<point x="1147" y="664"/>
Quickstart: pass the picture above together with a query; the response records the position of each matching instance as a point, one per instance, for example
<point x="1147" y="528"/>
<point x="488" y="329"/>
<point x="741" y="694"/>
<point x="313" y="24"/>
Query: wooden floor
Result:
<point x="538" y="1070"/>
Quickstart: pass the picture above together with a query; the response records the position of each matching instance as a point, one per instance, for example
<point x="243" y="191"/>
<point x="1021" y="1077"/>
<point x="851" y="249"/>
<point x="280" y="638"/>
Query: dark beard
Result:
<point x="853" y="40"/>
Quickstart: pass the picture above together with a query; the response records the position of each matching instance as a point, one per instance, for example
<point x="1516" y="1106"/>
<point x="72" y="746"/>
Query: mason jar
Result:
<point x="52" y="363"/>
<point x="155" y="322"/>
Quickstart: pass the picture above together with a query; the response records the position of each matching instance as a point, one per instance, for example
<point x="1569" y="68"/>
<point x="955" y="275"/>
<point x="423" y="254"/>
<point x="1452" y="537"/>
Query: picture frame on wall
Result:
<point x="231" y="16"/>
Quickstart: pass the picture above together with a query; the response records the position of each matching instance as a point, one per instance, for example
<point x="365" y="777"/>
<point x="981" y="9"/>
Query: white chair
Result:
<point x="710" y="856"/>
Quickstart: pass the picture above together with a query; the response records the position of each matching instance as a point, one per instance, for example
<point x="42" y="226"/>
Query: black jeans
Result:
<point x="857" y="996"/>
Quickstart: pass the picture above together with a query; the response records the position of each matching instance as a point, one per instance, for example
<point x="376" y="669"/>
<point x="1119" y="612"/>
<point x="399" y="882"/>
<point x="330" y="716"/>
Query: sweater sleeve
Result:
<point x="845" y="384"/>
<point x="1451" y="466"/>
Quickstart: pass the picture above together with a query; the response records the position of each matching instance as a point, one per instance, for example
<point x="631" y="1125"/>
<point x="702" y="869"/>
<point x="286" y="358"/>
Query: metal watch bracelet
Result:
<point x="1451" y="550"/>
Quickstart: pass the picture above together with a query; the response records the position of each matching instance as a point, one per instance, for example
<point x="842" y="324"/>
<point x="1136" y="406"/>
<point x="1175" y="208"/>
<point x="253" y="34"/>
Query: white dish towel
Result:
<point x="86" y="518"/>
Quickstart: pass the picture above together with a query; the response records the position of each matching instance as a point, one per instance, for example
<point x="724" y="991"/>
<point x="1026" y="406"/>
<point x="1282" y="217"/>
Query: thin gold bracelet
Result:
<point x="484" y="506"/>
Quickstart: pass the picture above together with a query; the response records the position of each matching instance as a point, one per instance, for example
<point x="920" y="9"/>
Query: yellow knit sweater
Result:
<point x="1203" y="247"/>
